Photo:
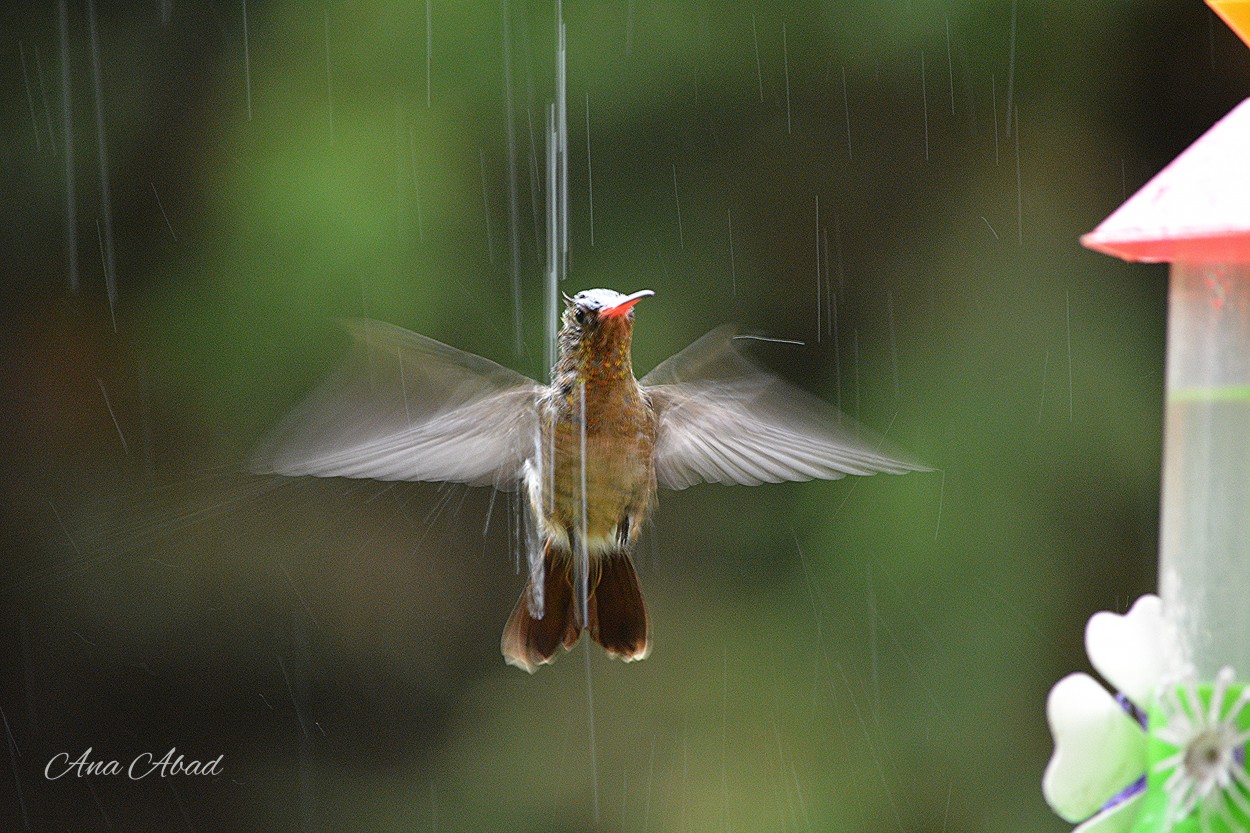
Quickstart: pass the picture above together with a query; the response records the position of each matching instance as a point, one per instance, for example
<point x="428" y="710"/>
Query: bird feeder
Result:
<point x="1195" y="215"/>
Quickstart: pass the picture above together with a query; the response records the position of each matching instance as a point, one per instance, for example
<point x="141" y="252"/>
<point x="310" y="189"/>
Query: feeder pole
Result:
<point x="1204" y="547"/>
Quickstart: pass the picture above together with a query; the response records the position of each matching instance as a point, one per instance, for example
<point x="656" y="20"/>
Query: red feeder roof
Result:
<point x="1195" y="209"/>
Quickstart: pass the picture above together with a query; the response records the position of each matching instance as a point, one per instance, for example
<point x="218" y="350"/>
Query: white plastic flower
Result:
<point x="1100" y="746"/>
<point x="1098" y="773"/>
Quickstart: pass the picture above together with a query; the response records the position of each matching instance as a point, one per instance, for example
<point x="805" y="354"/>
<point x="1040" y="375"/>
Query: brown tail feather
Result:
<point x="528" y="642"/>
<point x="618" y="615"/>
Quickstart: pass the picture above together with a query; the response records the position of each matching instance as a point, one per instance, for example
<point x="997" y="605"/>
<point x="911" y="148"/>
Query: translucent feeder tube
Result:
<point x="1204" y="559"/>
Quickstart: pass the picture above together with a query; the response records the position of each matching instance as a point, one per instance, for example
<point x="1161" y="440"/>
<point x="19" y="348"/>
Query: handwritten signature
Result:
<point x="144" y="764"/>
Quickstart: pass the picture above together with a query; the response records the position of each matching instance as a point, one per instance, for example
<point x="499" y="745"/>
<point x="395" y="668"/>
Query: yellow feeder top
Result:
<point x="1236" y="13"/>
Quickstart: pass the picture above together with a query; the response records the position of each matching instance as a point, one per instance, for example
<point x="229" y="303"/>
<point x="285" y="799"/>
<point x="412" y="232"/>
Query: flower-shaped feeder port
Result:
<point x="1156" y="756"/>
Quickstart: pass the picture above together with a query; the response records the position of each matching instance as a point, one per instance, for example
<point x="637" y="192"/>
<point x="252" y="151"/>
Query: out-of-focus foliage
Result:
<point x="899" y="186"/>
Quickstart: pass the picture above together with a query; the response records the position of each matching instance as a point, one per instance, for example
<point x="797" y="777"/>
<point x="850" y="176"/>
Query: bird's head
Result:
<point x="596" y="332"/>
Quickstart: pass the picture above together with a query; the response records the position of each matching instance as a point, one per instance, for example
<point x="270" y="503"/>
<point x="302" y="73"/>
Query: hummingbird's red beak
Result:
<point x="624" y="305"/>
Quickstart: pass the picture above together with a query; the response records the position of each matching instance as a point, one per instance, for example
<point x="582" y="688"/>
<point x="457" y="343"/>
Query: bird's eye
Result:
<point x="581" y="316"/>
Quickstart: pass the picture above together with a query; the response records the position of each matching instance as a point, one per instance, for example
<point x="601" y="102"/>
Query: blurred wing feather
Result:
<point x="723" y="419"/>
<point x="406" y="407"/>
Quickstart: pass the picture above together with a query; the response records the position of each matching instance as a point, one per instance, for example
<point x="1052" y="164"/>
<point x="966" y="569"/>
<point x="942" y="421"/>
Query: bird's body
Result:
<point x="590" y="483"/>
<point x="588" y="450"/>
<point x="595" y="411"/>
<point x="608" y="463"/>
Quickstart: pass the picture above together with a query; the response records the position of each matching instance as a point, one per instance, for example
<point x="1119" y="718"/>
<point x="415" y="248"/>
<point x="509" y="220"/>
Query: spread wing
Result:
<point x="722" y="419"/>
<point x="406" y="407"/>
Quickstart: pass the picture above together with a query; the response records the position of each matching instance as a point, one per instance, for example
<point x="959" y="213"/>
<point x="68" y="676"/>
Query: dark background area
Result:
<point x="862" y="655"/>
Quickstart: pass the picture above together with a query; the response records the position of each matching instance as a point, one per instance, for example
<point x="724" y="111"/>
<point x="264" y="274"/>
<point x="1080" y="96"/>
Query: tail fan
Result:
<point x="616" y="612"/>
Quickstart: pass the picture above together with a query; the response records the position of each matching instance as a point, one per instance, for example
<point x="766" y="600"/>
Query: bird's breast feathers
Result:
<point x="597" y="491"/>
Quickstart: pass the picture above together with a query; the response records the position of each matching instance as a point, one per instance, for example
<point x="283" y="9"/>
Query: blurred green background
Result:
<point x="865" y="655"/>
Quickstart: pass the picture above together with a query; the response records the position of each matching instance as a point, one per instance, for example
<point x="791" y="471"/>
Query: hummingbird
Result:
<point x="587" y="451"/>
